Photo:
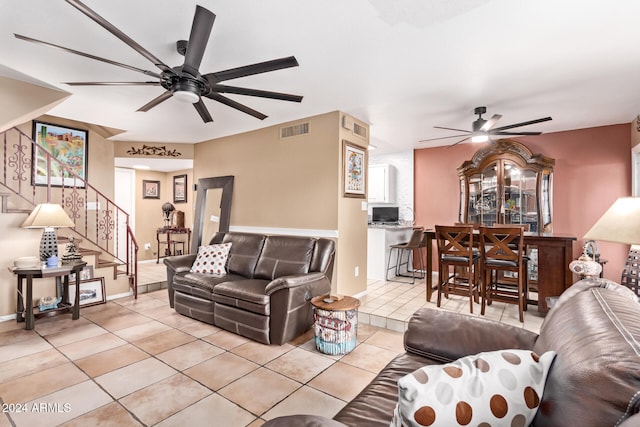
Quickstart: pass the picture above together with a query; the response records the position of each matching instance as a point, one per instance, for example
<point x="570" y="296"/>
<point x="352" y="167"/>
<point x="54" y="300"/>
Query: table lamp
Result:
<point x="621" y="224"/>
<point x="167" y="208"/>
<point x="48" y="216"/>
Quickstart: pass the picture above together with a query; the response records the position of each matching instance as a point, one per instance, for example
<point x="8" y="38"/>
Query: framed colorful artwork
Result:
<point x="150" y="189"/>
<point x="354" y="170"/>
<point x="67" y="163"/>
<point x="180" y="189"/>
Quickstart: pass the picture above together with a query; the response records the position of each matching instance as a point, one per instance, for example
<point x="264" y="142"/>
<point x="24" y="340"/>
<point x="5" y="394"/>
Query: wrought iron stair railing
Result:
<point x="34" y="175"/>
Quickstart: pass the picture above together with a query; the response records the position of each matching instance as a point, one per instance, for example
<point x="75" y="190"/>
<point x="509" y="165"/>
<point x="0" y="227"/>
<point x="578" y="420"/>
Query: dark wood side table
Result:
<point x="335" y="324"/>
<point x="169" y="231"/>
<point x="61" y="274"/>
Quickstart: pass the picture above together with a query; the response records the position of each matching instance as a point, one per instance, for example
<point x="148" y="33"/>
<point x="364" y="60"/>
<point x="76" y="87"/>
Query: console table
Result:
<point x="61" y="274"/>
<point x="170" y="242"/>
<point x="555" y="252"/>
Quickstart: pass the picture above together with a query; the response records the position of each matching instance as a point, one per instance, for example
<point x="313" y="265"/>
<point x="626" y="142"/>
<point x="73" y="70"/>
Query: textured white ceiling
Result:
<point x="403" y="66"/>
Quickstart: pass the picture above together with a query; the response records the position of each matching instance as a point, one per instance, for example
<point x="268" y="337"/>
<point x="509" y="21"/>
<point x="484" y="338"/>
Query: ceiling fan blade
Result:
<point x="200" y="32"/>
<point x="248" y="70"/>
<point x="112" y="83"/>
<point x="155" y="101"/>
<point x="457" y="130"/>
<point x="87" y="55"/>
<point x="442" y="137"/>
<point x="202" y="110"/>
<point x="122" y="36"/>
<point x="233" y="104"/>
<point x="256" y="92"/>
<point x="489" y="123"/>
<point x="530" y="122"/>
<point x="514" y="133"/>
<point x="456" y="143"/>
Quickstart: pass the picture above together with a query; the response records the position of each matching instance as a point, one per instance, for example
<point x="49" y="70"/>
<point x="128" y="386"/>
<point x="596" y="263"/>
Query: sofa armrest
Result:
<point x="291" y="312"/>
<point x="294" y="281"/>
<point x="176" y="264"/>
<point x="180" y="262"/>
<point x="302" y="421"/>
<point x="446" y="336"/>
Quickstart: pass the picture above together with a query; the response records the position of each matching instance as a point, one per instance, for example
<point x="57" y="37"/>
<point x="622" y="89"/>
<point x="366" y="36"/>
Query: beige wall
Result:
<point x="149" y="211"/>
<point x="22" y="101"/>
<point x="293" y="183"/>
<point x="352" y="226"/>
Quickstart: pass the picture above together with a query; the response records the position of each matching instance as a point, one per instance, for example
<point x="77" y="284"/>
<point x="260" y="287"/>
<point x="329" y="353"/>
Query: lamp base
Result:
<point x="48" y="244"/>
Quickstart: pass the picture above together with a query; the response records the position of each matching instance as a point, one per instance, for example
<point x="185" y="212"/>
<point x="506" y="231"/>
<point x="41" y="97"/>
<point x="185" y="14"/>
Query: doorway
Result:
<point x="125" y="198"/>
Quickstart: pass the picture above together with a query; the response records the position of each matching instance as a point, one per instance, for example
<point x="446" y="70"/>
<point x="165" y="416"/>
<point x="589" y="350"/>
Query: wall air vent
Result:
<point x="294" y="130"/>
<point x="359" y="130"/>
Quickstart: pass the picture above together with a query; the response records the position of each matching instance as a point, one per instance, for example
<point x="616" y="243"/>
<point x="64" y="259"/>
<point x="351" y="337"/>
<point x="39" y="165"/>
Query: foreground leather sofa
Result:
<point x="594" y="380"/>
<point x="265" y="294"/>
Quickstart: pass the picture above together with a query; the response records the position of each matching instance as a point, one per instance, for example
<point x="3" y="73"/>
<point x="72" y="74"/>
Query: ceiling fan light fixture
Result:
<point x="186" y="91"/>
<point x="186" y="96"/>
<point x="480" y="137"/>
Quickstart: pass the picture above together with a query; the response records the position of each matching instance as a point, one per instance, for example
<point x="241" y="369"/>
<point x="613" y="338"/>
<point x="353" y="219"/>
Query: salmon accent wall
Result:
<point x="592" y="169"/>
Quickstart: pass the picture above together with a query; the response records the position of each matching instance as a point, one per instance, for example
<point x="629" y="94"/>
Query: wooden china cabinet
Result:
<point x="504" y="183"/>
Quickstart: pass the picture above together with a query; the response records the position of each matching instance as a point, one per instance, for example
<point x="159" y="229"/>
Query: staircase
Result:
<point x="101" y="226"/>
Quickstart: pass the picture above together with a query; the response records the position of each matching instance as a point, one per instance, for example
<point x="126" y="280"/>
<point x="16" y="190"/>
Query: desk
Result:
<point x="170" y="242"/>
<point x="555" y="252"/>
<point x="40" y="272"/>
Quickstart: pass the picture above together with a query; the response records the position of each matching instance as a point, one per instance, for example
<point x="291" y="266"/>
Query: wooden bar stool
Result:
<point x="458" y="262"/>
<point x="502" y="250"/>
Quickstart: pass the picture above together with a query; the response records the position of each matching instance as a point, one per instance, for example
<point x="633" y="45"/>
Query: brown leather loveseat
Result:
<point x="266" y="291"/>
<point x="594" y="380"/>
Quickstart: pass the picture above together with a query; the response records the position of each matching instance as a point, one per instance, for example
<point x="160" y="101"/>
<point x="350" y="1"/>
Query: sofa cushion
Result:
<point x="199" y="284"/>
<point x="211" y="259"/>
<point x="245" y="253"/>
<point x="284" y="256"/>
<point x="493" y="388"/>
<point x="248" y="294"/>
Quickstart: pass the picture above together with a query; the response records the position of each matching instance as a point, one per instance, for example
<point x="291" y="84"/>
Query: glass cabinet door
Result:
<point x="504" y="183"/>
<point x="519" y="202"/>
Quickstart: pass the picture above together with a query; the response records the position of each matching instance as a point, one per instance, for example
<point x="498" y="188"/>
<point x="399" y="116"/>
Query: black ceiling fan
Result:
<point x="482" y="129"/>
<point x="185" y="81"/>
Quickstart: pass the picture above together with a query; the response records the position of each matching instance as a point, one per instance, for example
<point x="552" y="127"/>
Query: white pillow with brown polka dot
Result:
<point x="211" y="259"/>
<point x="498" y="388"/>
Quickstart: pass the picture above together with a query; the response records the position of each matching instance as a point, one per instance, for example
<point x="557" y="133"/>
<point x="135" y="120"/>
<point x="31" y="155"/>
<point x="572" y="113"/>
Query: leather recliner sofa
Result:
<point x="594" y="380"/>
<point x="265" y="294"/>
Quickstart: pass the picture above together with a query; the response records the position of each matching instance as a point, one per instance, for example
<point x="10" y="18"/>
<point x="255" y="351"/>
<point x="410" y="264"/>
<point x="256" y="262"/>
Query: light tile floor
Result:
<point x="391" y="304"/>
<point x="137" y="362"/>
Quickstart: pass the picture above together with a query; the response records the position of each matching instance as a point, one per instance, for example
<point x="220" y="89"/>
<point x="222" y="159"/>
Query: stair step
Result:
<point x="104" y="263"/>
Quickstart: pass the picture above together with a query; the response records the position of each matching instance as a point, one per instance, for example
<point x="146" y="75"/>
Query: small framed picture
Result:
<point x="150" y="189"/>
<point x="86" y="273"/>
<point x="91" y="292"/>
<point x="180" y="189"/>
<point x="354" y="170"/>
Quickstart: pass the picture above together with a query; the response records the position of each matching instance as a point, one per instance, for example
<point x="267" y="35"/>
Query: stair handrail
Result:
<point x="109" y="219"/>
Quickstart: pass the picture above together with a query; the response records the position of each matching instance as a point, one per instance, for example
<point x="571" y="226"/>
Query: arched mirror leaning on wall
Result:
<point x="504" y="183"/>
<point x="212" y="206"/>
